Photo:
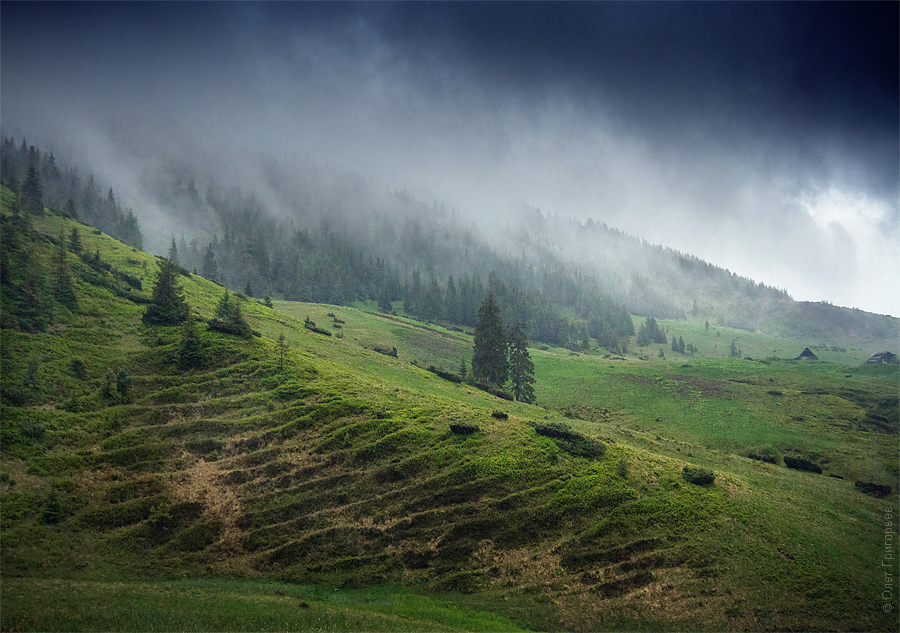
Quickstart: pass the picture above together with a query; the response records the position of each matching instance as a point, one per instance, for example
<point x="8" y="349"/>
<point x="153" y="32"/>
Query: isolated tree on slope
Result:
<point x="63" y="288"/>
<point x="489" y="362"/>
<point x="521" y="369"/>
<point x="167" y="304"/>
<point x="229" y="317"/>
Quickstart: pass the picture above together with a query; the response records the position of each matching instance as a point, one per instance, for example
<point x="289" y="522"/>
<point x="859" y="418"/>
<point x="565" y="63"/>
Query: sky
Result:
<point x="762" y="137"/>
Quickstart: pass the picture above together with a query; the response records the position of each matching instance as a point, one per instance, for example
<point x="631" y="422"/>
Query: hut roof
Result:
<point x="884" y="357"/>
<point x="806" y="354"/>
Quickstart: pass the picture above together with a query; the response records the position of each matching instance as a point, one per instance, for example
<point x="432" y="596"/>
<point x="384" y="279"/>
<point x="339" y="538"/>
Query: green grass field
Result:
<point x="192" y="500"/>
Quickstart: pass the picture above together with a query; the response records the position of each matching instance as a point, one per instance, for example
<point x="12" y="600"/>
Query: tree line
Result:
<point x="40" y="182"/>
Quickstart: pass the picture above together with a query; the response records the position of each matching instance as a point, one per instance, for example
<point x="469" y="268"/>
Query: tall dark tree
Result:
<point x="63" y="288"/>
<point x="282" y="347"/>
<point x="167" y="305"/>
<point x="489" y="362"/>
<point x="521" y="368"/>
<point x="190" y="349"/>
<point x="70" y="211"/>
<point x="75" y="241"/>
<point x="229" y="318"/>
<point x="384" y="299"/>
<point x="32" y="200"/>
<point x="35" y="313"/>
<point x="210" y="269"/>
<point x="173" y="252"/>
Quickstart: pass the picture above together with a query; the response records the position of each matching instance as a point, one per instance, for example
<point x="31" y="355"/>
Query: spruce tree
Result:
<point x="489" y="362"/>
<point x="32" y="197"/>
<point x="282" y="347"/>
<point x="210" y="270"/>
<point x="229" y="318"/>
<point x="35" y="312"/>
<point x="167" y="304"/>
<point x="521" y="369"/>
<point x="75" y="241"/>
<point x="190" y="349"/>
<point x="70" y="211"/>
<point x="63" y="288"/>
<point x="384" y="299"/>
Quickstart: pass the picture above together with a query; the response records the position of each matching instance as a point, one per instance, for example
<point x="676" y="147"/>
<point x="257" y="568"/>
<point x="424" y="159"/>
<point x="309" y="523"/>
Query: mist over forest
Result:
<point x="538" y="142"/>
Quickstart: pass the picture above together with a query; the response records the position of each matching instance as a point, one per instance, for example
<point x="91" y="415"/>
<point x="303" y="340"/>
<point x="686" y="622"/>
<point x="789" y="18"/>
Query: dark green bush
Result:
<point x="52" y="512"/>
<point x="446" y="375"/>
<point x="873" y="489"/>
<point x="571" y="440"/>
<point x="798" y="463"/>
<point x="500" y="415"/>
<point x="697" y="475"/>
<point x="767" y="455"/>
<point x="79" y="370"/>
<point x="463" y="429"/>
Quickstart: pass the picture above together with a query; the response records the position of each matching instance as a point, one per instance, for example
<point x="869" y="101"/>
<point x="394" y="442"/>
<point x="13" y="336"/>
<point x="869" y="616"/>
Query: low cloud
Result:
<point x="723" y="135"/>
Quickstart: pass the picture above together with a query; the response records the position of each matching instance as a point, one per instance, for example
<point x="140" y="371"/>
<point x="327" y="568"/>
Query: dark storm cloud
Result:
<point x="817" y="74"/>
<point x="729" y="130"/>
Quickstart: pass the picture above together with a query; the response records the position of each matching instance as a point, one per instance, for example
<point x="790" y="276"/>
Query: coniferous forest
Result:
<point x="323" y="249"/>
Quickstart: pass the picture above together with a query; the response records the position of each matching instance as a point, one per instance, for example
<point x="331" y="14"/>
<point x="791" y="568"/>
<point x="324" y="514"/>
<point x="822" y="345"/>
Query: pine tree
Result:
<point x="229" y="318"/>
<point x="282" y="347"/>
<point x="167" y="304"/>
<point x="75" y="241"/>
<point x="521" y="369"/>
<point x="34" y="314"/>
<point x="210" y="270"/>
<point x="70" y="211"/>
<point x="32" y="197"/>
<point x="173" y="252"/>
<point x="384" y="299"/>
<point x="489" y="362"/>
<point x="63" y="289"/>
<point x="463" y="369"/>
<point x="190" y="349"/>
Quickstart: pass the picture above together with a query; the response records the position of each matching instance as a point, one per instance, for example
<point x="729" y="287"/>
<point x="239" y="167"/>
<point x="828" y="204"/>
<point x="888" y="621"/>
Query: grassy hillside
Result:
<point x="180" y="495"/>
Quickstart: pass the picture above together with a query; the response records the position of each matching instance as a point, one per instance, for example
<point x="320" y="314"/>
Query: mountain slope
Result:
<point x="341" y="468"/>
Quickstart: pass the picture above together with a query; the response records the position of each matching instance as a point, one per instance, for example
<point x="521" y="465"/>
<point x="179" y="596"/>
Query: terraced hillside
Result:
<point x="337" y="465"/>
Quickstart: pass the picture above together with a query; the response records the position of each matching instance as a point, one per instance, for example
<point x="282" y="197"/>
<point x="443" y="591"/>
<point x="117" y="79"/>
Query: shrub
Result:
<point x="768" y="455"/>
<point x="698" y="476"/>
<point x="446" y="375"/>
<point x="79" y="370"/>
<point x="494" y="391"/>
<point x="571" y="440"/>
<point x="311" y="326"/>
<point x="873" y="489"/>
<point x="798" y="463"/>
<point x="500" y="415"/>
<point x="52" y="512"/>
<point x="32" y="430"/>
<point x="463" y="429"/>
<point x="386" y="351"/>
